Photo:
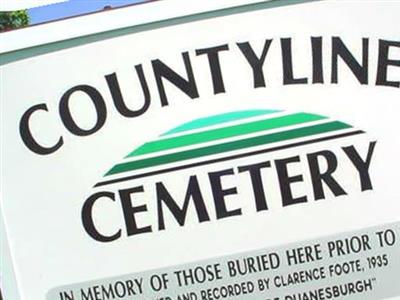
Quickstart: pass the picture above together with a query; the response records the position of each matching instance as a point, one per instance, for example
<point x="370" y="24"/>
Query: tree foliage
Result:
<point x="13" y="19"/>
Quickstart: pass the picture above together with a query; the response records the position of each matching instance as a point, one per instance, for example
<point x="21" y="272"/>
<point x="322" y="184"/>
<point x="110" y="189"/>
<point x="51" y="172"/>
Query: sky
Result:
<point x="72" y="8"/>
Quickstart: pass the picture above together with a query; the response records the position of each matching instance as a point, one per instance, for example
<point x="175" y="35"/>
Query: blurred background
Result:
<point x="10" y="20"/>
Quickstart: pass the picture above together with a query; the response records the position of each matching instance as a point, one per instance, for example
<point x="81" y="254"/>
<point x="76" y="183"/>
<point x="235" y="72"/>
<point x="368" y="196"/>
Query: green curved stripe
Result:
<point x="235" y="145"/>
<point x="226" y="132"/>
<point x="219" y="119"/>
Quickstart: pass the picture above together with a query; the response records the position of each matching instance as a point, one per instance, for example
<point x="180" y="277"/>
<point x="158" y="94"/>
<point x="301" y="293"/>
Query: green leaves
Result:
<point x="13" y="19"/>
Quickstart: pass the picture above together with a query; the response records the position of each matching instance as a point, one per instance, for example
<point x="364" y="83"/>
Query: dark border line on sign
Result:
<point x="212" y="161"/>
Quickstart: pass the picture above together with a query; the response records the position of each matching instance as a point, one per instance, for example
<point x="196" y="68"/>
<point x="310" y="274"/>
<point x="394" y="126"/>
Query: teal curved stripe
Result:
<point x="225" y="132"/>
<point x="219" y="119"/>
<point x="225" y="147"/>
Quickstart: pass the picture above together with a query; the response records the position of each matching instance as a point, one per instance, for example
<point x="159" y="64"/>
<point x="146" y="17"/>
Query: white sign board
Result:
<point x="246" y="152"/>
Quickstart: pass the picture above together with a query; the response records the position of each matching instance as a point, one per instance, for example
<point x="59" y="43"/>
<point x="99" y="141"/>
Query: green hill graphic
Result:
<point x="228" y="134"/>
